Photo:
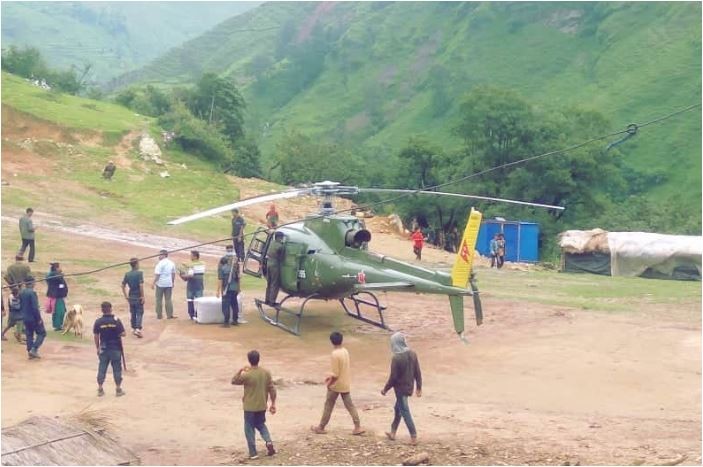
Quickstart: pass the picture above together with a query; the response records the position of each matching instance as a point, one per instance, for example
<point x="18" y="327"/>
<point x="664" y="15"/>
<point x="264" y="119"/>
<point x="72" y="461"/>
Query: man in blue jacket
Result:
<point x="33" y="324"/>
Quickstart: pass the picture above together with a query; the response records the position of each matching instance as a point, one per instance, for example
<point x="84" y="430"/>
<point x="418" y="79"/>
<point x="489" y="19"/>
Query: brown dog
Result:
<point x="74" y="320"/>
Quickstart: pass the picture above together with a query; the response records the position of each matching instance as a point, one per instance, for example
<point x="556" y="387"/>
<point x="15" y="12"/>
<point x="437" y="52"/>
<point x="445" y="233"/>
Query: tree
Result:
<point x="499" y="127"/>
<point x="246" y="161"/>
<point x="302" y="160"/>
<point x="26" y="62"/>
<point x="148" y="100"/>
<point x="218" y="102"/>
<point x="417" y="164"/>
<point x="419" y="167"/>
<point x="194" y="135"/>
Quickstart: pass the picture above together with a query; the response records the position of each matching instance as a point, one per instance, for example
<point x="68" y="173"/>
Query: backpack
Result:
<point x="13" y="304"/>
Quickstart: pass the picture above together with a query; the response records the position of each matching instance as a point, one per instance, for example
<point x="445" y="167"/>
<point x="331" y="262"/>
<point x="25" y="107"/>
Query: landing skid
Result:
<point x="275" y="319"/>
<point x="356" y="313"/>
<point x="273" y="314"/>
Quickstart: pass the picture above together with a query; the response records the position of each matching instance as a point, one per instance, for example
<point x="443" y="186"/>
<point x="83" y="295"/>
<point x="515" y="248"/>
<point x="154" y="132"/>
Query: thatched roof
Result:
<point x="51" y="441"/>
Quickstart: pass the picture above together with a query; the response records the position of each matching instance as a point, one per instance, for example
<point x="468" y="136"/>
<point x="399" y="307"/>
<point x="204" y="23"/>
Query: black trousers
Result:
<point x="27" y="242"/>
<point x="229" y="300"/>
<point x="239" y="249"/>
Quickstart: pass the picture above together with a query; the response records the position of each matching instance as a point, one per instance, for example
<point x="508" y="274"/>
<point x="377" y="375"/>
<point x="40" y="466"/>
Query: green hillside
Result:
<point x="92" y="133"/>
<point x="370" y="75"/>
<point x="114" y="37"/>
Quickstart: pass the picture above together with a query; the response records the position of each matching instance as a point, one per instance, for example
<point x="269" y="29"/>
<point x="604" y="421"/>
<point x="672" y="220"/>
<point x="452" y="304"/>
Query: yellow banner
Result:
<point x="465" y="257"/>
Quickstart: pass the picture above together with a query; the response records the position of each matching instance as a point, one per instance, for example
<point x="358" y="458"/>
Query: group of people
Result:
<point x="259" y="391"/>
<point x="405" y="378"/>
<point x="23" y="313"/>
<point x="193" y="273"/>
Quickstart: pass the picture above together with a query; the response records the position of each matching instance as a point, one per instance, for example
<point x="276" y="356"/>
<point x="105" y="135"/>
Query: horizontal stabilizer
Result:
<point x="382" y="286"/>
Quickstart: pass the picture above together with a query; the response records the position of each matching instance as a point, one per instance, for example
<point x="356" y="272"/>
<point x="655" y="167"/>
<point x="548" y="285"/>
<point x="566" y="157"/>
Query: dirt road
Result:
<point x="536" y="385"/>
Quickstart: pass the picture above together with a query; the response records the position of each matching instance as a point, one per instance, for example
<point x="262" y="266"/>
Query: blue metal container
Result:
<point x="521" y="239"/>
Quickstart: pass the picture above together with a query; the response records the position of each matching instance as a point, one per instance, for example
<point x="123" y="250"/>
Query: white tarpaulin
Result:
<point x="633" y="253"/>
<point x="584" y="241"/>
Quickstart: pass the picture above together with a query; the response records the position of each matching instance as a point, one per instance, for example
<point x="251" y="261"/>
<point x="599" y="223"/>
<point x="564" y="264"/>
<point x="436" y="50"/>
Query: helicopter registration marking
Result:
<point x="464" y="253"/>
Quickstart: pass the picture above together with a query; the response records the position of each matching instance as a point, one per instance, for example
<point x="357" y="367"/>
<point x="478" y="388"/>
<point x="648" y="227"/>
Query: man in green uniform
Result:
<point x="238" y="224"/>
<point x="135" y="280"/>
<point x="258" y="387"/>
<point x="27" y="233"/>
<point x="228" y="288"/>
<point x="274" y="258"/>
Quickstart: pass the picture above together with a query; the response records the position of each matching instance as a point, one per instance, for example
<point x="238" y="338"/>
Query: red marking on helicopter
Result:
<point x="464" y="252"/>
<point x="361" y="277"/>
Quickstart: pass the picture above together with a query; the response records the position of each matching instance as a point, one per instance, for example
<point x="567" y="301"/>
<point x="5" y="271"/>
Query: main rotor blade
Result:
<point x="460" y="195"/>
<point x="242" y="203"/>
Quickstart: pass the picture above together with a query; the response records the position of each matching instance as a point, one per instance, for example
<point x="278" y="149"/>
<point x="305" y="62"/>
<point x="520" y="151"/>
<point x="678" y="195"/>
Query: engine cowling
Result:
<point x="356" y="237"/>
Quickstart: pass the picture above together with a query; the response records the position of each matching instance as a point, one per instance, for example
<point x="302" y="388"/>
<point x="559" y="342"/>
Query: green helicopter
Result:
<point x="325" y="257"/>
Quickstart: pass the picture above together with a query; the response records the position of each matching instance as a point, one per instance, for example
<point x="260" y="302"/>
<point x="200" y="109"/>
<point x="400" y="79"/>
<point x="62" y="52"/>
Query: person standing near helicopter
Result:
<point x="272" y="217"/>
<point x="274" y="258"/>
<point x="238" y="224"/>
<point x="228" y="288"/>
<point x="418" y="242"/>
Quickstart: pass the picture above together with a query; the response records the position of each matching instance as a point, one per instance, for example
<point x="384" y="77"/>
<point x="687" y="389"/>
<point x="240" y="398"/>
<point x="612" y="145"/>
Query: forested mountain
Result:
<point x="113" y="37"/>
<point x="371" y="75"/>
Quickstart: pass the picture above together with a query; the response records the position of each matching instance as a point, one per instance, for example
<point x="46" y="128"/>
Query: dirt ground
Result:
<point x="536" y="384"/>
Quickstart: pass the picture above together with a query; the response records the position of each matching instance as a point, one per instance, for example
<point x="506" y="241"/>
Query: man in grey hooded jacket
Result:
<point x="405" y="373"/>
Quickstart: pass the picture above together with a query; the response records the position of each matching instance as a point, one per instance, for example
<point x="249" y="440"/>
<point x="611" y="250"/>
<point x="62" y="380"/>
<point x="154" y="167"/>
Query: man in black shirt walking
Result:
<point x="107" y="333"/>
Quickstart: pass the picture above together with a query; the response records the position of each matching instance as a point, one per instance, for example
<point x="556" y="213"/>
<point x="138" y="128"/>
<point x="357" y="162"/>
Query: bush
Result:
<point x="195" y="136"/>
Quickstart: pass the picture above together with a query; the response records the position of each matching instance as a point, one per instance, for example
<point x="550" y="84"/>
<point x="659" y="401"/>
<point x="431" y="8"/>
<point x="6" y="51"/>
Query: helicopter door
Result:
<point x="292" y="271"/>
<point x="256" y="253"/>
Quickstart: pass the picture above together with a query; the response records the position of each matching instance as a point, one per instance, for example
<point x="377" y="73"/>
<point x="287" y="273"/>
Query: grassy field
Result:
<point x="70" y="111"/>
<point x="587" y="291"/>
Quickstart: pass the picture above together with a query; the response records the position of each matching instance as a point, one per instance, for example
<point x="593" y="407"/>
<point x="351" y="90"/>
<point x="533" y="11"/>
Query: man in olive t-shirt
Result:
<point x="17" y="273"/>
<point x="258" y="387"/>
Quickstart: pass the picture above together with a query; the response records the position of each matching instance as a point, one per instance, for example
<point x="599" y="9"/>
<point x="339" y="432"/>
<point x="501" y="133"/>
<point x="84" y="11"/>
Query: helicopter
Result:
<point x="326" y="257"/>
